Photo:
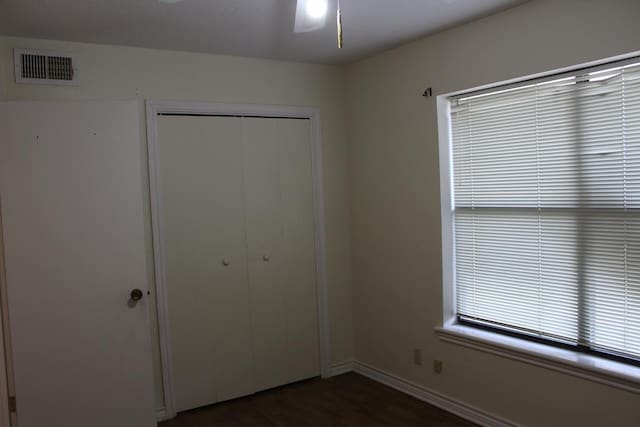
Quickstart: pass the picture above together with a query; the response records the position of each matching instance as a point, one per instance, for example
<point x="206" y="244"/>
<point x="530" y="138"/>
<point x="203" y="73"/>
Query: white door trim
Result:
<point x="5" y="367"/>
<point x="248" y="110"/>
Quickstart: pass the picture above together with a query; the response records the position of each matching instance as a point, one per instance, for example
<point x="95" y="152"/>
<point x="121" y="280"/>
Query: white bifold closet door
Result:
<point x="237" y="228"/>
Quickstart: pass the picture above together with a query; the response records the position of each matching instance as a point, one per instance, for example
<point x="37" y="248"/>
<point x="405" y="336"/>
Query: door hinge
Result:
<point x="12" y="404"/>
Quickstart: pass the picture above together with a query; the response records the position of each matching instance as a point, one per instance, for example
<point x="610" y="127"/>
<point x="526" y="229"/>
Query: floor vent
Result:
<point x="44" y="67"/>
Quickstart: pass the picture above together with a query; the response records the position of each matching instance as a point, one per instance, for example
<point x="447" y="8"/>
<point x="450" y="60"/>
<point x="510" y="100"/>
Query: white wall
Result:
<point x="396" y="205"/>
<point x="110" y="72"/>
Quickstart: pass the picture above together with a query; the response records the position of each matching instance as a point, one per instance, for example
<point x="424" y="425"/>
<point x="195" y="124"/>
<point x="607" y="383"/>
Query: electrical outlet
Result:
<point x="437" y="366"/>
<point x="417" y="356"/>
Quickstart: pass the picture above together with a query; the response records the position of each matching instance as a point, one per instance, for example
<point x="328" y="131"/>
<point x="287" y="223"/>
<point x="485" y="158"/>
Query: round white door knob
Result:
<point x="225" y="262"/>
<point x="266" y="258"/>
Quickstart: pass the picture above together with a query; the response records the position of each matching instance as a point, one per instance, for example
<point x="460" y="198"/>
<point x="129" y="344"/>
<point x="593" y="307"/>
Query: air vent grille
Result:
<point x="34" y="66"/>
<point x="59" y="68"/>
<point x="44" y="67"/>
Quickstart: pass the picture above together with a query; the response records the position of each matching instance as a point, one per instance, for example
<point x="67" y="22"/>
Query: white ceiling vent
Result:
<point x="44" y="67"/>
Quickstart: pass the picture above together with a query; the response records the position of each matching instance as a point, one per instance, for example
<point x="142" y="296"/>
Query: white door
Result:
<point x="280" y="240"/>
<point x="72" y="217"/>
<point x="202" y="227"/>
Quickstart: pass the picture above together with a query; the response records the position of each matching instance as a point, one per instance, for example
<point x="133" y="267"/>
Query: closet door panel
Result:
<point x="280" y="240"/>
<point x="264" y="226"/>
<point x="202" y="220"/>
<point x="298" y="248"/>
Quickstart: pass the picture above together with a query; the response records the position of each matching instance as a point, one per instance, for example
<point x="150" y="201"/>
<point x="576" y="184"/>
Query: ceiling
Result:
<point x="256" y="28"/>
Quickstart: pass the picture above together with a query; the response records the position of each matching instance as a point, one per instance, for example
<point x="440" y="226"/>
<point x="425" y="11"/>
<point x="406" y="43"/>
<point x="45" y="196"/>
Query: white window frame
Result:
<point x="588" y="366"/>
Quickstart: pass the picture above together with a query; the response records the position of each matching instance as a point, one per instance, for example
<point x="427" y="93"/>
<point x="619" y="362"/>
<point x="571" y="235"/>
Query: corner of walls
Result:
<point x="344" y="95"/>
<point x="342" y="318"/>
<point x="350" y="136"/>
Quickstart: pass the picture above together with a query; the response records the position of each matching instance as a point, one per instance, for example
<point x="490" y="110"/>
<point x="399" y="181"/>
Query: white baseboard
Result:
<point x="432" y="397"/>
<point x="340" y="368"/>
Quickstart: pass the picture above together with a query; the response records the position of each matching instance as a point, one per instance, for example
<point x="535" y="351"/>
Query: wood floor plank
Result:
<point x="348" y="400"/>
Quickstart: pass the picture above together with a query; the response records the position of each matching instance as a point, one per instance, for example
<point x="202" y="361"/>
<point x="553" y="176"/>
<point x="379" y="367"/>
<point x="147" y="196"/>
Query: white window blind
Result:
<point x="546" y="181"/>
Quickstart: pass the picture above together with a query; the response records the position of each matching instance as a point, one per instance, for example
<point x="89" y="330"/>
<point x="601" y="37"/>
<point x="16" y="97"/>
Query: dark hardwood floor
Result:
<point x="346" y="400"/>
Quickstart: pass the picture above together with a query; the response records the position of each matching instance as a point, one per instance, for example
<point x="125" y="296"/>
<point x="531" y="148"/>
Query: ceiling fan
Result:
<point x="311" y="15"/>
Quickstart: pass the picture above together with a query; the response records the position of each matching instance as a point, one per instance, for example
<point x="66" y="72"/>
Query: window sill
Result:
<point x="604" y="371"/>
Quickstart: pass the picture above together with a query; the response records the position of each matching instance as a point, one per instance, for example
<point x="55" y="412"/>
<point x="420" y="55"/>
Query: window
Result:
<point x="546" y="208"/>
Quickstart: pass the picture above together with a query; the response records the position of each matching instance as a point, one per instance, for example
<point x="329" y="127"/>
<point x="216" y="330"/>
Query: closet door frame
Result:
<point x="155" y="108"/>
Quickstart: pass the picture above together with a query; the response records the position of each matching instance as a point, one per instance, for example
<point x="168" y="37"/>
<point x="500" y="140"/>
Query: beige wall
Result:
<point x="396" y="204"/>
<point x="110" y="72"/>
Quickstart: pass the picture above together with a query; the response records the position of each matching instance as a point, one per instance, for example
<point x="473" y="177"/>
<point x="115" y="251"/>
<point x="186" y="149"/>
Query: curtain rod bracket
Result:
<point x="428" y="93"/>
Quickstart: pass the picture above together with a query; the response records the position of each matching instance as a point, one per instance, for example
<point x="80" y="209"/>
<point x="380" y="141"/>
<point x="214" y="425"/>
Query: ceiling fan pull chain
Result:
<point x="339" y="22"/>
